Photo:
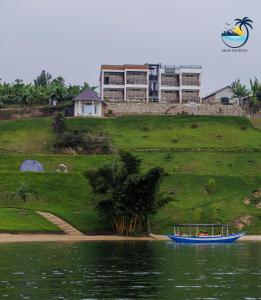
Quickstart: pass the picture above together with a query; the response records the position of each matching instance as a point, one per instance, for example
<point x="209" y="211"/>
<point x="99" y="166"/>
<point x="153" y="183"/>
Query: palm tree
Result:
<point x="246" y="22"/>
<point x="255" y="97"/>
<point x="24" y="193"/>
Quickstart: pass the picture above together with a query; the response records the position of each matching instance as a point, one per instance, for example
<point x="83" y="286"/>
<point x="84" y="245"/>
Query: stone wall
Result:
<point x="123" y="108"/>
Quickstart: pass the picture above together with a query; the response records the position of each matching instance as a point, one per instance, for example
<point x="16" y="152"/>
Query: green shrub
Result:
<point x="211" y="186"/>
<point x="174" y="140"/>
<point x="194" y="125"/>
<point x="84" y="142"/>
<point x="145" y="128"/>
<point x="168" y="156"/>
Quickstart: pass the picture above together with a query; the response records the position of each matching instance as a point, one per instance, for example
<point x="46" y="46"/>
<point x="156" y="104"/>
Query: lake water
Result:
<point x="127" y="270"/>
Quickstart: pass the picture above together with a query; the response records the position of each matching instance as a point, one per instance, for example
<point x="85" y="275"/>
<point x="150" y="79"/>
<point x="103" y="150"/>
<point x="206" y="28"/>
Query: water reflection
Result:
<point x="126" y="270"/>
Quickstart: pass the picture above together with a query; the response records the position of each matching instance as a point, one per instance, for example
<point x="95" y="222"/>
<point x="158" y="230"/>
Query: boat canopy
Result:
<point x="203" y="225"/>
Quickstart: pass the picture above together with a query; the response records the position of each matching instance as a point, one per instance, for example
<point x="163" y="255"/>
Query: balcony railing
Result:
<point x="181" y="67"/>
<point x="169" y="83"/>
<point x="194" y="82"/>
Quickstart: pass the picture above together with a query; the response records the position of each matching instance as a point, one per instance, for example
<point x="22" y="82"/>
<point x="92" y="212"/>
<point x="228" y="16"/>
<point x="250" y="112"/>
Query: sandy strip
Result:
<point x="15" y="238"/>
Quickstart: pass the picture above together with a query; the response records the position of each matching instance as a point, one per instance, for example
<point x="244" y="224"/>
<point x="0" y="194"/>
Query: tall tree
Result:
<point x="43" y="79"/>
<point x="240" y="91"/>
<point x="125" y="196"/>
<point x="255" y="96"/>
<point x="59" y="125"/>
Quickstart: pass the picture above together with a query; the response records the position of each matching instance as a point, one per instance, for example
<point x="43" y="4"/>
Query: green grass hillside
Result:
<point x="69" y="196"/>
<point x="189" y="162"/>
<point x="226" y="149"/>
<point x="132" y="132"/>
<point x="16" y="220"/>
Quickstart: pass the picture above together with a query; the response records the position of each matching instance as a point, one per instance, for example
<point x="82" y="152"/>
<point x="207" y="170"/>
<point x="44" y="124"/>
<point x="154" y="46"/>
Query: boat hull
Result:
<point x="206" y="239"/>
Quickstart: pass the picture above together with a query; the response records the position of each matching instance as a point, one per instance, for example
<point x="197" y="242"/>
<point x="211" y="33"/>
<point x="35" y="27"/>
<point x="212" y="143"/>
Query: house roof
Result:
<point x="87" y="94"/>
<point x="217" y="91"/>
<point x="123" y="67"/>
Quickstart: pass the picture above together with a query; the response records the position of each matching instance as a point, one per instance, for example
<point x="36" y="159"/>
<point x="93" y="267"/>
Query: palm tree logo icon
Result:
<point x="237" y="35"/>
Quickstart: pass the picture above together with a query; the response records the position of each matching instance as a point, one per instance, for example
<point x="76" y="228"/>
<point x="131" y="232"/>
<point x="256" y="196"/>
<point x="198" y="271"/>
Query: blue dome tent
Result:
<point x="32" y="166"/>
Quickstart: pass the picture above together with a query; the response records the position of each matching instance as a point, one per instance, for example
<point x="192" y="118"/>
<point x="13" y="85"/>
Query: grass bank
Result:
<point x="69" y="196"/>
<point x="201" y="163"/>
<point x="15" y="220"/>
<point x="131" y="132"/>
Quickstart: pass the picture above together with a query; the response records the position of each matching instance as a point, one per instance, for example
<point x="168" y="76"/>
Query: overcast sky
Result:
<point x="73" y="38"/>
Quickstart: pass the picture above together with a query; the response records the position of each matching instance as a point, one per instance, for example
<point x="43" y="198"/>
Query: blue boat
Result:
<point x="193" y="235"/>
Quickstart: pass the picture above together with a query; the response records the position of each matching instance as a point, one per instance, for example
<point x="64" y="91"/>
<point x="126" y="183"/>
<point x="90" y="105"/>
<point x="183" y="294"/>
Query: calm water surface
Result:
<point x="127" y="270"/>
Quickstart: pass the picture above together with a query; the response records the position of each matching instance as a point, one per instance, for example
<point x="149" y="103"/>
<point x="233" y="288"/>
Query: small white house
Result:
<point x="88" y="104"/>
<point x="222" y="96"/>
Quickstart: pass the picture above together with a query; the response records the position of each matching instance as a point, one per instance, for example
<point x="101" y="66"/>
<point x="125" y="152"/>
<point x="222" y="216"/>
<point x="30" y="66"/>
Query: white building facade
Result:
<point x="151" y="83"/>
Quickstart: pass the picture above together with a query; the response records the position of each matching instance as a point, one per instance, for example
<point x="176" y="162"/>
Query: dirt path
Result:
<point x="67" y="228"/>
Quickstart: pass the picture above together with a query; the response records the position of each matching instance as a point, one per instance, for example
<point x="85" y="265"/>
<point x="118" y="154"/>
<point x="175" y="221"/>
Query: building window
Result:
<point x="106" y="80"/>
<point x="224" y="100"/>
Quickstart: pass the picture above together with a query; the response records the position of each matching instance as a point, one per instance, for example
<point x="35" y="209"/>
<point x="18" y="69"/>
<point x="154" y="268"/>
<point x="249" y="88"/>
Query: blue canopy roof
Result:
<point x="32" y="166"/>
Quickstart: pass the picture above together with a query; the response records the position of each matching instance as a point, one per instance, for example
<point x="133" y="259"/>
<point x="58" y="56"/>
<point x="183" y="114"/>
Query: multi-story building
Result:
<point x="151" y="83"/>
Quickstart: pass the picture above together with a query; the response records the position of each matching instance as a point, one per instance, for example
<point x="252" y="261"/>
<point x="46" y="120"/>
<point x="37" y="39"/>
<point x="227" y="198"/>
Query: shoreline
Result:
<point x="18" y="238"/>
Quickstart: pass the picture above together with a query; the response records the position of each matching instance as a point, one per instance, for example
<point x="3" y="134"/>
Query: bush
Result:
<point x="174" y="140"/>
<point x="168" y="156"/>
<point x="194" y="125"/>
<point x="84" y="142"/>
<point x="211" y="186"/>
<point x="145" y="128"/>
<point x="110" y="113"/>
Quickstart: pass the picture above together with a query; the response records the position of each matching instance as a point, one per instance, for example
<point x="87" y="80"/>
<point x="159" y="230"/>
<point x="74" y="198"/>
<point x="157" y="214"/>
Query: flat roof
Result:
<point x="124" y="67"/>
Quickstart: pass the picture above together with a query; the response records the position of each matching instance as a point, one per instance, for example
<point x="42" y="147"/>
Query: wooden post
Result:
<point x="222" y="231"/>
<point x="227" y="230"/>
<point x="212" y="230"/>
<point x="197" y="231"/>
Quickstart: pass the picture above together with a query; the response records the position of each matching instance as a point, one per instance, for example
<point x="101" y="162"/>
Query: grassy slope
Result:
<point x="208" y="163"/>
<point x="34" y="135"/>
<point x="69" y="195"/>
<point x="15" y="220"/>
<point x="228" y="198"/>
